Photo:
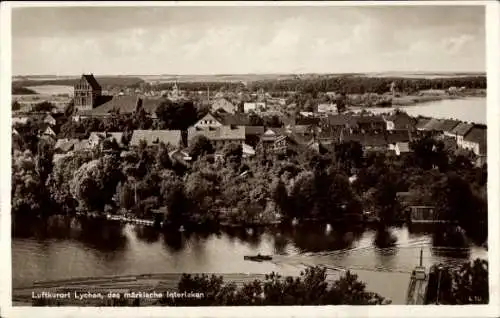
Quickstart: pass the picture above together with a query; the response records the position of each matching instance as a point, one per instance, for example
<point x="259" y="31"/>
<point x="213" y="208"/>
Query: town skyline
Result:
<point x="248" y="40"/>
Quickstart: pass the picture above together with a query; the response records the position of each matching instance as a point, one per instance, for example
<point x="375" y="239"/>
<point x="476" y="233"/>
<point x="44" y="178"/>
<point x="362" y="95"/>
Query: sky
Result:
<point x="242" y="40"/>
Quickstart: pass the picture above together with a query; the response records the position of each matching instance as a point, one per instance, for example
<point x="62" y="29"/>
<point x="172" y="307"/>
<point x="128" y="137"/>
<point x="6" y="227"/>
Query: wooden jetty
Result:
<point x="417" y="288"/>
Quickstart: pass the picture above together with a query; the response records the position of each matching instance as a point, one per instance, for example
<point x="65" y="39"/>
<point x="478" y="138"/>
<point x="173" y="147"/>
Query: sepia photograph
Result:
<point x="249" y="155"/>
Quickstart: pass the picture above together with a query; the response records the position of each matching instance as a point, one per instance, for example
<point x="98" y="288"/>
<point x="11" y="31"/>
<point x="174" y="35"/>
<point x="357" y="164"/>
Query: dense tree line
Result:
<point x="21" y="90"/>
<point x="362" y="84"/>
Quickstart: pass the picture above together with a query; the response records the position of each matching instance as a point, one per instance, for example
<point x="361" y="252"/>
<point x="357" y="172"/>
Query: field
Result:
<point x="52" y="89"/>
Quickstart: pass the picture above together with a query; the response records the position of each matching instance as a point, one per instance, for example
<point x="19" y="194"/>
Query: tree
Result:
<point x="462" y="285"/>
<point x="69" y="109"/>
<point x="310" y="288"/>
<point x="200" y="146"/>
<point x="255" y="120"/>
<point x="26" y="186"/>
<point x="16" y="105"/>
<point x="233" y="154"/>
<point x="126" y="196"/>
<point x="280" y="196"/>
<point x="94" y="183"/>
<point x="43" y="107"/>
<point x="44" y="159"/>
<point x="177" y="115"/>
<point x="272" y="121"/>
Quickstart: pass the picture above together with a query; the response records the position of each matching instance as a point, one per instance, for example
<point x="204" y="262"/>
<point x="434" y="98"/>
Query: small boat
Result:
<point x="258" y="258"/>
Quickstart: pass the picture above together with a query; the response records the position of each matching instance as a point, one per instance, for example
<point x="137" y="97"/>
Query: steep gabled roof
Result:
<point x="92" y="81"/>
<point x="152" y="137"/>
<point x="123" y="104"/>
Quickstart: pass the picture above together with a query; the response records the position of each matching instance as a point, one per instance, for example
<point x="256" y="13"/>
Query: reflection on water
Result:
<point x="470" y="109"/>
<point x="65" y="248"/>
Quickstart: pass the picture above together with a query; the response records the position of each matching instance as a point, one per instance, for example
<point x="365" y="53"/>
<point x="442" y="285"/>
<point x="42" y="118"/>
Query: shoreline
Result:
<point x="415" y="100"/>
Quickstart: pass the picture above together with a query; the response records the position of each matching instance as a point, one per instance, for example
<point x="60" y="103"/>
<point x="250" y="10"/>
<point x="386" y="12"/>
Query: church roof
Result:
<point x="92" y="81"/>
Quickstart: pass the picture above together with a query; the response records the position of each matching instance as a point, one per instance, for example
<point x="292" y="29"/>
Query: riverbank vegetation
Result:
<point x="312" y="287"/>
<point x="463" y="285"/>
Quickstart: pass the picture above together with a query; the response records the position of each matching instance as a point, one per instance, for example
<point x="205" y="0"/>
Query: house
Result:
<point x="86" y="92"/>
<point x="303" y="130"/>
<point x="253" y="134"/>
<point x="49" y="132"/>
<point x="369" y="142"/>
<point x="65" y="145"/>
<point x="248" y="151"/>
<point x="400" y="121"/>
<point x="155" y="137"/>
<point x="475" y="140"/>
<point x="82" y="145"/>
<point x="433" y="124"/>
<point x="334" y="122"/>
<point x="421" y="213"/>
<point x="219" y="136"/>
<point x="447" y="127"/>
<point x="96" y="138"/>
<point x="20" y="120"/>
<point x="460" y="131"/>
<point x="284" y="144"/>
<point x="209" y="120"/>
<point x="394" y="136"/>
<point x="421" y="123"/>
<point x="180" y="156"/>
<point x="327" y="108"/>
<point x="370" y="123"/>
<point x="50" y="120"/>
<point x="402" y="148"/>
<point x="224" y="104"/>
<point x="255" y="107"/>
<point x="306" y="114"/>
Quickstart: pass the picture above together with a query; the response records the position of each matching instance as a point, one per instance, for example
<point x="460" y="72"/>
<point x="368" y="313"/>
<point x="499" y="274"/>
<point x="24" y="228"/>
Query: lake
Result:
<point x="470" y="109"/>
<point x="72" y="248"/>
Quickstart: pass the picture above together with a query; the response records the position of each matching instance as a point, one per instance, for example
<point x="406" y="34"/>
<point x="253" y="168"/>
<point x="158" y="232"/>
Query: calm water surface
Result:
<point x="86" y="249"/>
<point x="471" y="109"/>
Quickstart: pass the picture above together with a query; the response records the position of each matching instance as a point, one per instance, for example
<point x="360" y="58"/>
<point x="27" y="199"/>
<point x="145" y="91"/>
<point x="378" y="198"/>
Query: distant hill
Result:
<point x="132" y="80"/>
